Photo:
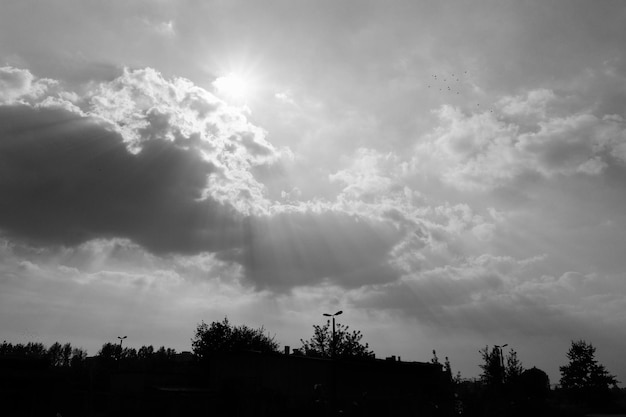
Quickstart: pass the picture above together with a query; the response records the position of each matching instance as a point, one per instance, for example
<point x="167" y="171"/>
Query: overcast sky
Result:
<point x="449" y="174"/>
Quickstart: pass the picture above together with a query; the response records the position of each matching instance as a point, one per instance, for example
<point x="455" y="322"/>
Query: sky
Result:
<point x="451" y="175"/>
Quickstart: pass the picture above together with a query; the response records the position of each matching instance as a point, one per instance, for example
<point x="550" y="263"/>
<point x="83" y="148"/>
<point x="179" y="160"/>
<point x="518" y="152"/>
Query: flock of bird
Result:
<point x="449" y="83"/>
<point x="449" y="80"/>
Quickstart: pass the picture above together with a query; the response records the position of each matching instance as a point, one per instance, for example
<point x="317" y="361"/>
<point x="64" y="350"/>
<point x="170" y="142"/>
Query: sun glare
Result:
<point x="233" y="86"/>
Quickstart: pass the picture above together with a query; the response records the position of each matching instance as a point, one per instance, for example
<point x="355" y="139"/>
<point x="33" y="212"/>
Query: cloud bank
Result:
<point x="169" y="177"/>
<point x="170" y="167"/>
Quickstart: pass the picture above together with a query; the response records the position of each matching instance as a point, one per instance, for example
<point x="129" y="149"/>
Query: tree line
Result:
<point x="503" y="377"/>
<point x="504" y="383"/>
<point x="223" y="336"/>
<point x="57" y="355"/>
<point x="114" y="351"/>
<point x="506" y="387"/>
<point x="582" y="372"/>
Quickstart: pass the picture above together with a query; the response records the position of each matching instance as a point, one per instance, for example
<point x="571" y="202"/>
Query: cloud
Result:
<point x="370" y="173"/>
<point x="67" y="294"/>
<point x="311" y="247"/>
<point x="452" y="275"/>
<point x="162" y="28"/>
<point x="161" y="163"/>
<point x="385" y="187"/>
<point x="144" y="106"/>
<point x="520" y="139"/>
<point x="494" y="295"/>
<point x="532" y="105"/>
<point x="67" y="179"/>
<point x="18" y="83"/>
<point x="168" y="166"/>
<point x="285" y="97"/>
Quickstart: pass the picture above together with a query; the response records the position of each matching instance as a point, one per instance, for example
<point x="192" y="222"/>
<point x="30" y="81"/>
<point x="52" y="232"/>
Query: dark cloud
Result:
<point x="66" y="179"/>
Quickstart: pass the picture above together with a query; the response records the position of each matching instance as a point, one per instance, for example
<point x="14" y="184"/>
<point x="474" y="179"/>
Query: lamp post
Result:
<point x="333" y="341"/>
<point x="333" y="399"/>
<point x="121" y="339"/>
<point x="501" y="357"/>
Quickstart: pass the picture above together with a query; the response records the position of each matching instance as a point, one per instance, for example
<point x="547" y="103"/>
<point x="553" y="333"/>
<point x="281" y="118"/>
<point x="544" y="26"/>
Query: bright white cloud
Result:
<point x="528" y="107"/>
<point x="143" y="106"/>
<point x="483" y="151"/>
<point x="18" y="83"/>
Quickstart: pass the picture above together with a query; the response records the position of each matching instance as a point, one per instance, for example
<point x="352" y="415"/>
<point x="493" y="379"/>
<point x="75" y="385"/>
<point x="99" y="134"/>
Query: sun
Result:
<point x="234" y="86"/>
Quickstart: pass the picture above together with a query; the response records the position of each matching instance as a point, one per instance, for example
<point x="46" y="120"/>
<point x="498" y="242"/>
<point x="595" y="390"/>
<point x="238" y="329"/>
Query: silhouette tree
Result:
<point x="110" y="351"/>
<point x="35" y="349"/>
<point x="145" y="352"/>
<point x="78" y="357"/>
<point x="492" y="370"/>
<point x="224" y="337"/>
<point x="31" y="349"/>
<point x="66" y="354"/>
<point x="447" y="367"/>
<point x="513" y="368"/>
<point x="55" y="354"/>
<point x="583" y="377"/>
<point x="129" y="353"/>
<point x="347" y="344"/>
<point x="499" y="370"/>
<point x="164" y="354"/>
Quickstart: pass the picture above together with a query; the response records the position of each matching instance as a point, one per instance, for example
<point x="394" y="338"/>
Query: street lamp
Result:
<point x="333" y="316"/>
<point x="121" y="339"/>
<point x="501" y="357"/>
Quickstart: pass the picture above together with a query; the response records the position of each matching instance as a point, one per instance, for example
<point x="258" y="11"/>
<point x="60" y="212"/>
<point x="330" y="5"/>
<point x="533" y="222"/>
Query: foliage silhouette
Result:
<point x="347" y="344"/>
<point x="145" y="352"/>
<point x="57" y="355"/>
<point x="110" y="351"/>
<point x="583" y="378"/>
<point x="513" y="369"/>
<point x="447" y="367"/>
<point x="163" y="353"/>
<point x="224" y="337"/>
<point x="78" y="357"/>
<point x="113" y="351"/>
<point x="499" y="370"/>
<point x="31" y="349"/>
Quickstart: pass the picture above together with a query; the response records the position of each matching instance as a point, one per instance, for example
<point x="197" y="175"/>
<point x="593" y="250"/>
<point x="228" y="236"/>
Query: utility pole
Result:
<point x="334" y="339"/>
<point x="121" y="339"/>
<point x="333" y="363"/>
<point x="501" y="358"/>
